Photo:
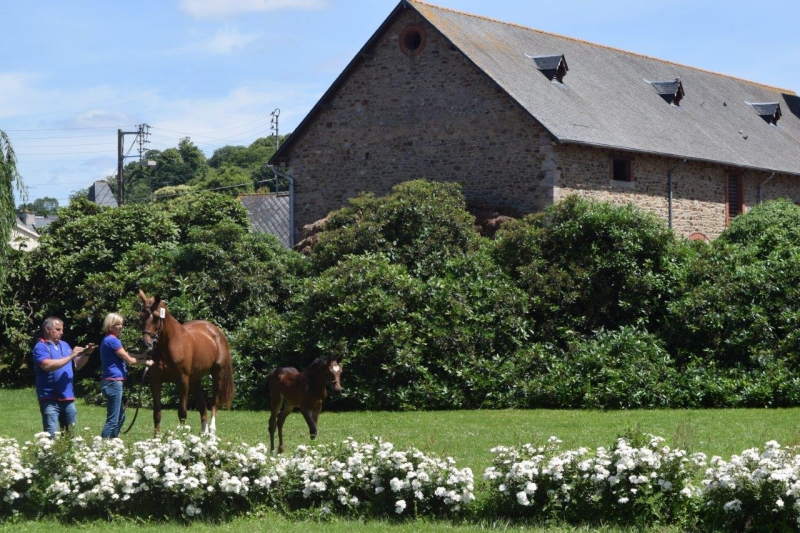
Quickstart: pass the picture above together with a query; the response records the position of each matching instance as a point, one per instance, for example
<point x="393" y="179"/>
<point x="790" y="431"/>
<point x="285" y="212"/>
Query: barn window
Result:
<point x="769" y="111"/>
<point x="621" y="170"/>
<point x="412" y="40"/>
<point x="554" y="66"/>
<point x="670" y="90"/>
<point x="734" y="203"/>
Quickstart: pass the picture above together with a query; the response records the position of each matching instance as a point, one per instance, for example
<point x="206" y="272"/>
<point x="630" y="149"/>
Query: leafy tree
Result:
<point x="193" y="158"/>
<point x="228" y="180"/>
<point x="9" y="180"/>
<point x="80" y="193"/>
<point x="42" y="206"/>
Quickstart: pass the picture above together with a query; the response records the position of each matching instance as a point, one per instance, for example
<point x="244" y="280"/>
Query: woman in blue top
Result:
<point x="55" y="364"/>
<point x="115" y="361"/>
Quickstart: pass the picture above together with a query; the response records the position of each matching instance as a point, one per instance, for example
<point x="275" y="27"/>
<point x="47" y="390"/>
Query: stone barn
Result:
<point x="522" y="118"/>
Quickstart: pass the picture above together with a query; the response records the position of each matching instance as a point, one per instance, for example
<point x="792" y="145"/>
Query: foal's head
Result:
<point x="153" y="312"/>
<point x="334" y="370"/>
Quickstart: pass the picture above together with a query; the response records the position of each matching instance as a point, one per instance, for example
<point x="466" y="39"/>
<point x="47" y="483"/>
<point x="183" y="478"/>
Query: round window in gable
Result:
<point x="412" y="40"/>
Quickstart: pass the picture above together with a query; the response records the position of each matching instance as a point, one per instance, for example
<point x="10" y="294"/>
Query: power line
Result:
<point x="70" y="153"/>
<point x="69" y="129"/>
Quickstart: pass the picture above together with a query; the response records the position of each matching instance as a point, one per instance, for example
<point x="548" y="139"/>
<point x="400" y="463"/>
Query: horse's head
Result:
<point x="153" y="313"/>
<point x="334" y="373"/>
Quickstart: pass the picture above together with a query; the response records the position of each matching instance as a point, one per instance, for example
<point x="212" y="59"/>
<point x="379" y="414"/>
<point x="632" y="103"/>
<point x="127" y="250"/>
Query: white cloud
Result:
<point x="226" y="8"/>
<point x="224" y="42"/>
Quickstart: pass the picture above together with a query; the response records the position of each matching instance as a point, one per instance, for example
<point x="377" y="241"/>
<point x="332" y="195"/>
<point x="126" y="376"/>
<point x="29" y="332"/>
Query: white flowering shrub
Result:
<point x="15" y="477"/>
<point x="754" y="491"/>
<point x="630" y="484"/>
<point x="195" y="475"/>
<point x="175" y="474"/>
<point x="638" y="481"/>
<point x="373" y="479"/>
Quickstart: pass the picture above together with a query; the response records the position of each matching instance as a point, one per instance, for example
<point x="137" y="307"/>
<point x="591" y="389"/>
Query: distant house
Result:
<point x="101" y="194"/>
<point x="269" y="213"/>
<point x="25" y="233"/>
<point x="23" y="237"/>
<point x="522" y="118"/>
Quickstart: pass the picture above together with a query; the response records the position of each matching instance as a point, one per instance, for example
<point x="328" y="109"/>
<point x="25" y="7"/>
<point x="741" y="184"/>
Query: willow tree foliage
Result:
<point x="9" y="180"/>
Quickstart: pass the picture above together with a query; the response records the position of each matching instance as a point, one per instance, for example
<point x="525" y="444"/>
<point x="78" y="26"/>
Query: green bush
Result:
<point x="587" y="266"/>
<point x="419" y="225"/>
<point x="622" y="369"/>
<point x="739" y="301"/>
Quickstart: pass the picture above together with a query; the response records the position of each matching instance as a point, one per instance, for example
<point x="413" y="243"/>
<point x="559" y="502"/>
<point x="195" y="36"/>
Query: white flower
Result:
<point x="733" y="505"/>
<point x="522" y="498"/>
<point x="399" y="506"/>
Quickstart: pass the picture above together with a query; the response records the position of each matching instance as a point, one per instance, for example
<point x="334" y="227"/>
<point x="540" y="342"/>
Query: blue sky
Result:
<point x="73" y="72"/>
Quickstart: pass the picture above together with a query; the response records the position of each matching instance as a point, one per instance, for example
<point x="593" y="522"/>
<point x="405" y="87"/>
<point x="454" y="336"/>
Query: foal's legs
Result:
<point x="286" y="411"/>
<point x="308" y="414"/>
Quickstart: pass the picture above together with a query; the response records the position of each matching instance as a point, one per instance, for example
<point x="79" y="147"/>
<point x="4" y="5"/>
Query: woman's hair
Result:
<point x="112" y="319"/>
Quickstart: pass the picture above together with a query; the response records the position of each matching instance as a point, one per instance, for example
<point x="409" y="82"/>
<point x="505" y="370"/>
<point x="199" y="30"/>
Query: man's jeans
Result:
<point x="115" y="414"/>
<point x="57" y="415"/>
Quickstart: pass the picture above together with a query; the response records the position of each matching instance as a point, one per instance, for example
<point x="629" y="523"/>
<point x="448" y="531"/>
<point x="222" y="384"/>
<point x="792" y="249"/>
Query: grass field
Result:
<point x="467" y="436"/>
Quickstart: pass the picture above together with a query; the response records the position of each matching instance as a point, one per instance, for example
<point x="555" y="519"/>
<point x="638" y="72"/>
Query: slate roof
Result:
<point x="607" y="98"/>
<point x="101" y="194"/>
<point x="269" y="213"/>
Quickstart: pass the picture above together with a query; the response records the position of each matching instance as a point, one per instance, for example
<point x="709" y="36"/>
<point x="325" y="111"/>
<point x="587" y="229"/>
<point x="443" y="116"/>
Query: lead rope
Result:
<point x="136" y="413"/>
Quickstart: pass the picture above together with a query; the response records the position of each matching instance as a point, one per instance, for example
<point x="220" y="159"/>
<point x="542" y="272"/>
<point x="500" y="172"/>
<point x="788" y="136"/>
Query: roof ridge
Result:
<point x="583" y="41"/>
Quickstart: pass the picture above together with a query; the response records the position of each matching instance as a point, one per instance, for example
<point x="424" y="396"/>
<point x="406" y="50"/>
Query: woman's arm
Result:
<point x="139" y="359"/>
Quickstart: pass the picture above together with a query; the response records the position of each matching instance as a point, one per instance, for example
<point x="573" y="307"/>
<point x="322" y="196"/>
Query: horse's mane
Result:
<point x="316" y="364"/>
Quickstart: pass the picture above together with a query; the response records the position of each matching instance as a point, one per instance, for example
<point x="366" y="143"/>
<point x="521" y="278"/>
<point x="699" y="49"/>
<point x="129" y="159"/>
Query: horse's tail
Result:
<point x="226" y="385"/>
<point x="226" y="376"/>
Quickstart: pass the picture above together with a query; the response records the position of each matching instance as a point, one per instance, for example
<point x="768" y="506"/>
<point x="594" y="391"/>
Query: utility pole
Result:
<point x="141" y="131"/>
<point x="274" y="127"/>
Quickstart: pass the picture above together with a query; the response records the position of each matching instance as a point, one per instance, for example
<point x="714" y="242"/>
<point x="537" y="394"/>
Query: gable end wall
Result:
<point x="434" y="116"/>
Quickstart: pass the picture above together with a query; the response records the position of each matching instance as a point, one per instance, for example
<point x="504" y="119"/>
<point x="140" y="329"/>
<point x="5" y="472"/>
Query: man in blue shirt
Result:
<point x="55" y="364"/>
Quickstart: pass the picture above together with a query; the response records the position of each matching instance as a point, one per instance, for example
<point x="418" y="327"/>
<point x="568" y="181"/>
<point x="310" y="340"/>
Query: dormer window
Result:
<point x="769" y="111"/>
<point x="671" y="90"/>
<point x="553" y="67"/>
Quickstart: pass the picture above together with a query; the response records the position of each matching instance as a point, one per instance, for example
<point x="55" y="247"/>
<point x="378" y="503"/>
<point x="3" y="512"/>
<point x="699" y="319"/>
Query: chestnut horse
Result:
<point x="306" y="390"/>
<point x="183" y="354"/>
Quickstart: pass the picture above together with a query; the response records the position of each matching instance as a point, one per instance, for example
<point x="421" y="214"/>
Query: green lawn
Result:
<point x="467" y="436"/>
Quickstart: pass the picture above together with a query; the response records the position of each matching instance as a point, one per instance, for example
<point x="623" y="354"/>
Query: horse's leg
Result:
<point x="183" y="398"/>
<point x="286" y="411"/>
<point x="308" y="414"/>
<point x="275" y="409"/>
<point x="155" y="390"/>
<point x="316" y="413"/>
<point x="216" y="387"/>
<point x="200" y="400"/>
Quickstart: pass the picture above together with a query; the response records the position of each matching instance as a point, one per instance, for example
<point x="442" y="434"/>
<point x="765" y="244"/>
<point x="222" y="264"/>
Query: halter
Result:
<point x="153" y="334"/>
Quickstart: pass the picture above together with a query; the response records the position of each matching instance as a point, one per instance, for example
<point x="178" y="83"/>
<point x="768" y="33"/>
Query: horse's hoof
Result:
<point x="313" y="436"/>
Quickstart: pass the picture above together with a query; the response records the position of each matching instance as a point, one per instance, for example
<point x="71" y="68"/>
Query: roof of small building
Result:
<point x="612" y="98"/>
<point x="269" y="213"/>
<point x="101" y="194"/>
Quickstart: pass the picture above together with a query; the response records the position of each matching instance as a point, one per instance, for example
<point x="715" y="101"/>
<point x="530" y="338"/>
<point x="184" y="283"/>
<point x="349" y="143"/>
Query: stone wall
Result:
<point x="698" y="188"/>
<point x="433" y="116"/>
